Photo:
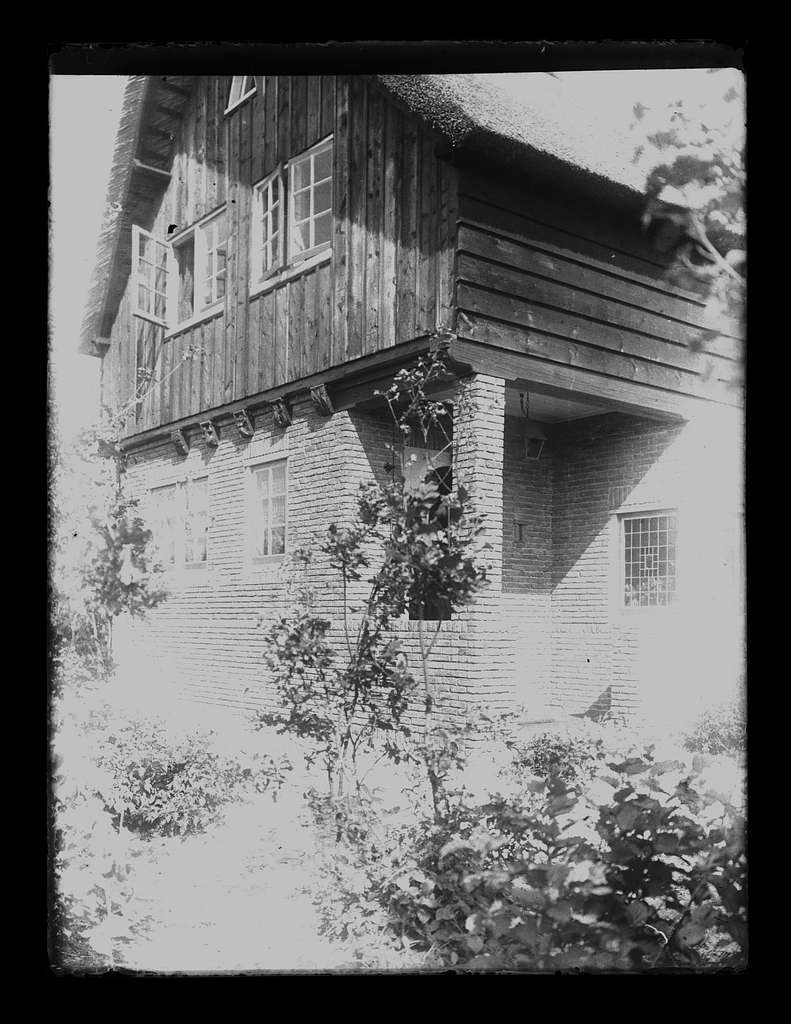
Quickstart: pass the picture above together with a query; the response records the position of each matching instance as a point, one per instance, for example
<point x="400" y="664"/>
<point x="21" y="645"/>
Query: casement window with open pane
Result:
<point x="648" y="552"/>
<point x="199" y="269"/>
<point x="180" y="521"/>
<point x="268" y="509"/>
<point x="150" y="263"/>
<point x="266" y="250"/>
<point x="310" y="201"/>
<point x="184" y="280"/>
<point x="242" y="88"/>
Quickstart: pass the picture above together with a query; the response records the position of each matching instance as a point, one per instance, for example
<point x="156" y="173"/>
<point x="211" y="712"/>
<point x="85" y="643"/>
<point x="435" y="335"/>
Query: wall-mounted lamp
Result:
<point x="534" y="435"/>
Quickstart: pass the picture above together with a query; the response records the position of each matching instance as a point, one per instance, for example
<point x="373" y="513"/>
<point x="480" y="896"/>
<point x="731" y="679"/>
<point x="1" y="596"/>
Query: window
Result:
<point x="268" y="509"/>
<point x="150" y="266"/>
<point x="267" y="228"/>
<point x="180" y="520"/>
<point x="310" y="201"/>
<point x="242" y="87"/>
<point x="198" y="270"/>
<point x="649" y="558"/>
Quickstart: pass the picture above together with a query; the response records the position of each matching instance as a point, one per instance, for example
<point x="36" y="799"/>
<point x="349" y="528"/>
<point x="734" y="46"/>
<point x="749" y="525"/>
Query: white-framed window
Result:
<point x="310" y="201"/>
<point x="180" y="522"/>
<point x="150" y="264"/>
<point x="242" y="88"/>
<point x="198" y="270"/>
<point x="266" y="239"/>
<point x="648" y="557"/>
<point x="268" y="509"/>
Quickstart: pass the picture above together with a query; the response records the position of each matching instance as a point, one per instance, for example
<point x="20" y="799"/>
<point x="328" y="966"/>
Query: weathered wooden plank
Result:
<point x="298" y="112"/>
<point x="234" y="283"/>
<point x="340" y="205"/>
<point x="615" y="229"/>
<point x="373" y="219"/>
<point x="565" y="269"/>
<point x="266" y="341"/>
<point x="327" y="115"/>
<point x="562" y="297"/>
<point x="189" y="165"/>
<point x="195" y="371"/>
<point x="446" y="262"/>
<point x="427" y="318"/>
<point x="283" y="117"/>
<point x="552" y="238"/>
<point x="218" y="363"/>
<point x="554" y="351"/>
<point x="324" y="290"/>
<point x="281" y="334"/>
<point x="221" y="131"/>
<point x="269" y="140"/>
<point x="552" y="378"/>
<point x="310" y="327"/>
<point x="206" y="355"/>
<point x="243" y="201"/>
<point x="313" y="110"/>
<point x="258" y="127"/>
<point x="211" y="142"/>
<point x="574" y="329"/>
<point x="253" y="347"/>
<point x="408" y="242"/>
<point x="391" y="145"/>
<point x="357" y="233"/>
<point x="199" y="101"/>
<point x="296" y="311"/>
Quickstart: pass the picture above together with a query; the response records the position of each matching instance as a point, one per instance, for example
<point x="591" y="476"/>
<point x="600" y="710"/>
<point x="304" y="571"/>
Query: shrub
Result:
<point x="720" y="730"/>
<point x="549" y="754"/>
<point x="168" y="785"/>
<point x="641" y="867"/>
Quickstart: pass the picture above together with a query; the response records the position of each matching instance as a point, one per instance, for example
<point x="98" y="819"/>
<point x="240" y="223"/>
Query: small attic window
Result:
<point x="242" y="88"/>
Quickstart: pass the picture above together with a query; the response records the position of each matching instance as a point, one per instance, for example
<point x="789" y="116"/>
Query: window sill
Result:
<point x="293" y="270"/>
<point x="150" y="317"/>
<point x="205" y="314"/>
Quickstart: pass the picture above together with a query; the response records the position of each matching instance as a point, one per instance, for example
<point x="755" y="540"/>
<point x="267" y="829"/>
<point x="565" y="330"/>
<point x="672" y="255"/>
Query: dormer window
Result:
<point x="242" y="88"/>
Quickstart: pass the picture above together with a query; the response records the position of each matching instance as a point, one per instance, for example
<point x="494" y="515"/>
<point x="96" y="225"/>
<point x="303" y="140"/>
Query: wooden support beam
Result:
<point x="210" y="433"/>
<point x="180" y="442"/>
<point x="244" y="423"/>
<point x="321" y="400"/>
<point x="140" y="166"/>
<point x="282" y="413"/>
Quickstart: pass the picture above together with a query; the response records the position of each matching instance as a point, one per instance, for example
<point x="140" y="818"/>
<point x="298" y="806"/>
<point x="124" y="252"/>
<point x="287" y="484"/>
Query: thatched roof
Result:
<point x="475" y="113"/>
<point x="469" y="111"/>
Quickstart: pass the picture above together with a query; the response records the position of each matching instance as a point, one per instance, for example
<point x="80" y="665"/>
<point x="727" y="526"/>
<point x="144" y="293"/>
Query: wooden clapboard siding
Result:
<point x="565" y="285"/>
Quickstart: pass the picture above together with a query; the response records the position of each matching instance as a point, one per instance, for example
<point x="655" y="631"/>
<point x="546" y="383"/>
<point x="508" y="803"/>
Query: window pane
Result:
<point x="300" y="237"/>
<point x="279" y="510"/>
<point x="278" y="540"/>
<point x="300" y="175"/>
<point x="322" y="197"/>
<point x="262" y="482"/>
<point x="322" y="229"/>
<point x="159" y="306"/>
<point x="302" y="205"/>
<point x="143" y="246"/>
<point x="274" y="188"/>
<point x="220" y="282"/>
<point x="322" y="167"/>
<point x="143" y="299"/>
<point x="160" y="280"/>
<point x="279" y="478"/>
<point x="162" y="255"/>
<point x="185" y="261"/>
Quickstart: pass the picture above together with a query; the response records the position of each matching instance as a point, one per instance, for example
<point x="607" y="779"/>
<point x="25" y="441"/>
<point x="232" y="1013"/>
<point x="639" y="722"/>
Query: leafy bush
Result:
<point x="641" y="866"/>
<point x="169" y="785"/>
<point x="720" y="730"/>
<point x="550" y="754"/>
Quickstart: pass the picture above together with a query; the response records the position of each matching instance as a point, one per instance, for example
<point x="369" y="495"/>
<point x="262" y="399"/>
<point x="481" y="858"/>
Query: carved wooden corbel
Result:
<point x="281" y="412"/>
<point x="321" y="400"/>
<point x="244" y="423"/>
<point x="210" y="435"/>
<point x="179" y="441"/>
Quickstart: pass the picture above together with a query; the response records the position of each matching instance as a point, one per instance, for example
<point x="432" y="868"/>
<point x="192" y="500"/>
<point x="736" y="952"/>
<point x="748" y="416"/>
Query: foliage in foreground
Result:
<point x="641" y="865"/>
<point x="720" y="730"/>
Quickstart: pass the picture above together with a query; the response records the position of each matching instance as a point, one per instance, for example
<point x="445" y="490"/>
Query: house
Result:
<point x="277" y="246"/>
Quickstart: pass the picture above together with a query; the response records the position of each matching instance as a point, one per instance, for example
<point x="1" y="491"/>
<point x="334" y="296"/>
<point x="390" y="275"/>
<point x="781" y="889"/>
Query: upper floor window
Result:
<point x="267" y="227"/>
<point x="185" y="279"/>
<point x="199" y="269"/>
<point x="180" y="522"/>
<point x="310" y="201"/>
<point x="649" y="558"/>
<point x="242" y="87"/>
<point x="150" y="264"/>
